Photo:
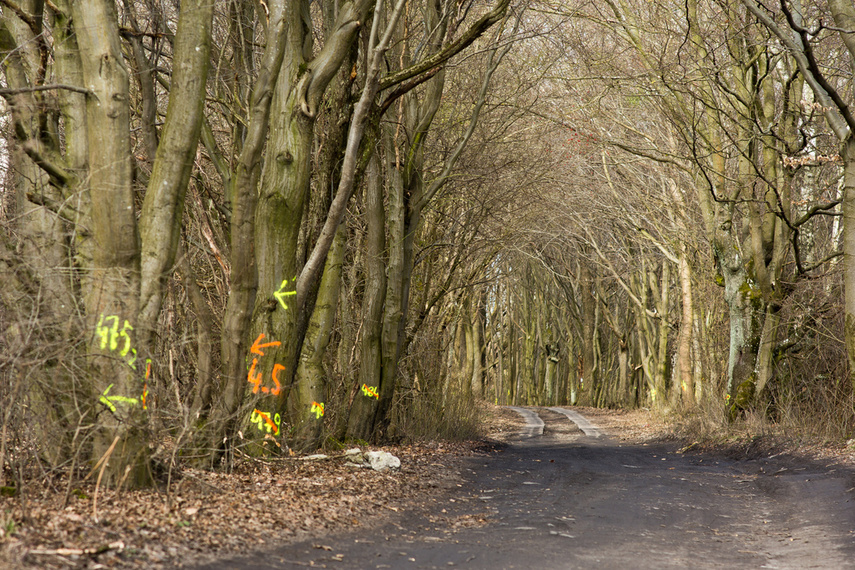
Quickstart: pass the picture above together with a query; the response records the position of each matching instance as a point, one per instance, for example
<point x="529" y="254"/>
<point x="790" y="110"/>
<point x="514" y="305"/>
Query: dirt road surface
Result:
<point x="562" y="494"/>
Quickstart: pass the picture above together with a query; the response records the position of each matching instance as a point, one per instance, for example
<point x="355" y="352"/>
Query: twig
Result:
<point x="118" y="545"/>
<point x="97" y="465"/>
<point x="61" y="209"/>
<point x="104" y="459"/>
<point x="6" y="419"/>
<point x="19" y="11"/>
<point x="202" y="481"/>
<point x="51" y="87"/>
<point x="124" y="477"/>
<point x="73" y="464"/>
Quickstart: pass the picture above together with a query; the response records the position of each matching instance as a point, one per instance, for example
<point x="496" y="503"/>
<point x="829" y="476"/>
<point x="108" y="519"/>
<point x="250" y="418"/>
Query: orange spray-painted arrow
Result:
<point x="256" y="346"/>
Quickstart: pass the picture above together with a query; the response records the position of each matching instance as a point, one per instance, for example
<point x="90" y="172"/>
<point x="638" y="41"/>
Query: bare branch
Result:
<point x="51" y="87"/>
<point x="822" y="261"/>
<point x="62" y="209"/>
<point x="59" y="176"/>
<point x="838" y="123"/>
<point x="26" y="18"/>
<point x="452" y="49"/>
<point x="406" y="88"/>
<point x="817" y="209"/>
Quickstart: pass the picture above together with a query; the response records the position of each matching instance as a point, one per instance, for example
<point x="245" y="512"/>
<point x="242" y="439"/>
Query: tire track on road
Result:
<point x="534" y="424"/>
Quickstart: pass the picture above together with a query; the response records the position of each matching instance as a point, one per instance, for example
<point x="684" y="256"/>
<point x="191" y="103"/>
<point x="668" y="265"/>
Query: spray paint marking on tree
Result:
<point x="145" y="383"/>
<point x="257" y="345"/>
<point x="263" y="420"/>
<point x="370" y="391"/>
<point x="254" y="377"/>
<point x="317" y="409"/>
<point x="111" y="336"/>
<point x="111" y="401"/>
<point x="280" y="294"/>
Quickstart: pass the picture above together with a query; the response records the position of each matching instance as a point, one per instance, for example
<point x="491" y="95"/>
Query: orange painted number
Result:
<point x="317" y="409"/>
<point x="255" y="380"/>
<point x="263" y="421"/>
<point x="278" y="388"/>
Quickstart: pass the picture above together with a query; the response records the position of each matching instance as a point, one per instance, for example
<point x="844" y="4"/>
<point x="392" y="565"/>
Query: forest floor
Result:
<point x="262" y="503"/>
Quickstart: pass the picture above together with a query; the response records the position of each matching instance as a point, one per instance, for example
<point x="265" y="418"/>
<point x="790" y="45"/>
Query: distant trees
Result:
<point x="695" y="163"/>
<point x="735" y="99"/>
<point x="801" y="39"/>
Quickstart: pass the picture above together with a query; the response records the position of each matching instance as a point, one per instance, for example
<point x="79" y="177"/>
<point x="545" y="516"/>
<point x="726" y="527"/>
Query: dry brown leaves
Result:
<point x="209" y="515"/>
<point x="501" y="423"/>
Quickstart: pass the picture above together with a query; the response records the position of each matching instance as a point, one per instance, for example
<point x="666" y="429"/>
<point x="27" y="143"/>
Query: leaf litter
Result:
<point x="206" y="515"/>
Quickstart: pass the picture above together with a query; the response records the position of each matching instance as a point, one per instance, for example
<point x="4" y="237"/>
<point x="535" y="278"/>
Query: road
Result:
<point x="563" y="495"/>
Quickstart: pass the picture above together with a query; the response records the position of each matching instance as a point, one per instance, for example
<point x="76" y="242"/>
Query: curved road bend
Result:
<point x="564" y="496"/>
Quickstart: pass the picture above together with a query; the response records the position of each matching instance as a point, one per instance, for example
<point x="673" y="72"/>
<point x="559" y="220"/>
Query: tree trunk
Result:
<point x="43" y="241"/>
<point x="219" y="429"/>
<point x="550" y="373"/>
<point x="848" y="152"/>
<point x="163" y="207"/>
<point x="467" y="363"/>
<point x="587" y="302"/>
<point x="364" y="406"/>
<point x="311" y="377"/>
<point x="112" y="286"/>
<point x="684" y="341"/>
<point x="477" y="379"/>
<point x="393" y="310"/>
<point x="623" y="371"/>
<point x="663" y="309"/>
<point x="282" y="308"/>
<point x="742" y="300"/>
<point x="282" y="196"/>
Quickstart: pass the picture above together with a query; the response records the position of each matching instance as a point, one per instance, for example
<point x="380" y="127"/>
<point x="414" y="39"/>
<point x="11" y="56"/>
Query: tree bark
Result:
<point x="848" y="152"/>
<point x="370" y="370"/>
<point x="217" y="427"/>
<point x="311" y="376"/>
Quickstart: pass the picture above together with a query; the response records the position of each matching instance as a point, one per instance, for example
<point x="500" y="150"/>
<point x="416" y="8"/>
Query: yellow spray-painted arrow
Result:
<point x="280" y="294"/>
<point x="108" y="401"/>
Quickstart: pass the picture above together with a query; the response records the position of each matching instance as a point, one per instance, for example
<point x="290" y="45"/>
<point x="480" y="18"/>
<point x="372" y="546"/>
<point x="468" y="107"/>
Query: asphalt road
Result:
<point x="563" y="495"/>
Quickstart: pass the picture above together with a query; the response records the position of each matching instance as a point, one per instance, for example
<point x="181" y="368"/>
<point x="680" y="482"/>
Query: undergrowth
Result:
<point x="418" y="417"/>
<point x="787" y="423"/>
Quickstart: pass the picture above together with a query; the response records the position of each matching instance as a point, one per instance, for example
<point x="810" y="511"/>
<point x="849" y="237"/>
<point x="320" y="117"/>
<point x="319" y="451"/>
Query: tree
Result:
<point x="797" y="40"/>
<point x="121" y="268"/>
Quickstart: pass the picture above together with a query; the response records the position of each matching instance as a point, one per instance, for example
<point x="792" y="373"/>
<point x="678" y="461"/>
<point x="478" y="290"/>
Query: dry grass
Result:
<point x="808" y="432"/>
<point x="428" y="417"/>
